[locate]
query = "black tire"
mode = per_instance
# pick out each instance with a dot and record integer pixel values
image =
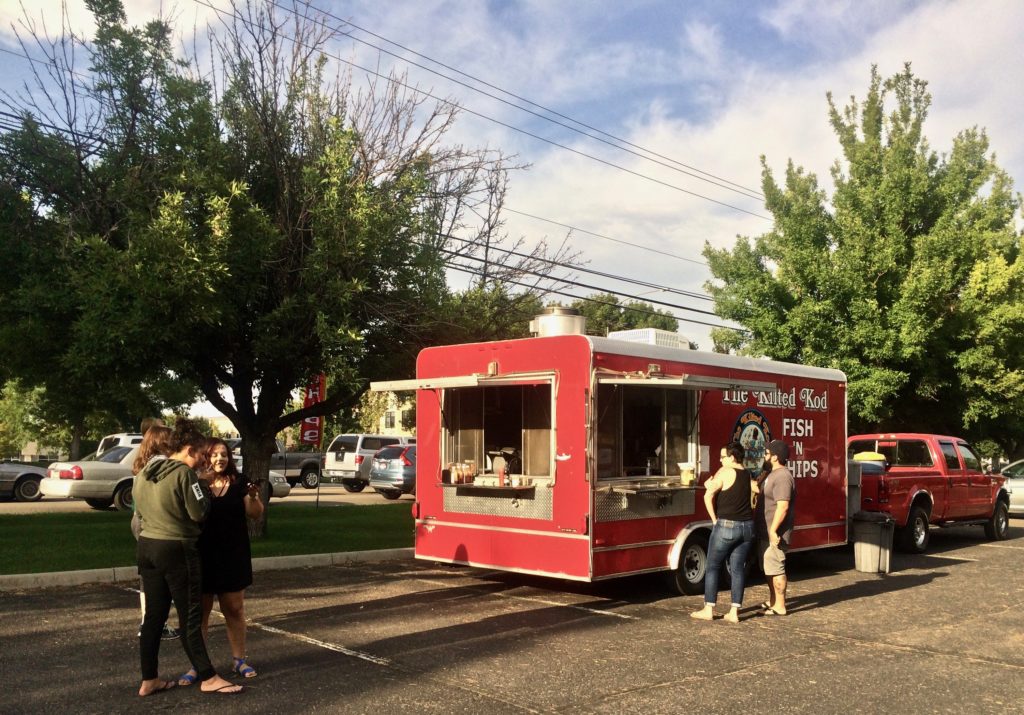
(27, 489)
(293, 481)
(688, 578)
(354, 487)
(391, 494)
(998, 527)
(913, 538)
(99, 503)
(310, 478)
(123, 498)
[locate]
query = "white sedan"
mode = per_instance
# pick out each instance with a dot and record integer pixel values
(101, 482)
(1014, 473)
(280, 487)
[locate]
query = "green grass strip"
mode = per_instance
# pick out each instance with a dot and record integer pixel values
(41, 543)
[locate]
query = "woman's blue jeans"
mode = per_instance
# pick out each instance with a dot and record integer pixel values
(733, 540)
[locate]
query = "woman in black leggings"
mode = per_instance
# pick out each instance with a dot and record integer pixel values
(171, 501)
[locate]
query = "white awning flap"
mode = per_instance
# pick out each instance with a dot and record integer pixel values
(431, 383)
(690, 382)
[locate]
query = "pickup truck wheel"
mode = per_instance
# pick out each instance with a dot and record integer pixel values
(354, 487)
(688, 578)
(99, 503)
(310, 478)
(998, 527)
(913, 538)
(27, 489)
(123, 498)
(391, 494)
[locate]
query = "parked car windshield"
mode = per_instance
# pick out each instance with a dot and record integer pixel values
(114, 455)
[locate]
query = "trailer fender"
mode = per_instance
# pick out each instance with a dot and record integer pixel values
(681, 537)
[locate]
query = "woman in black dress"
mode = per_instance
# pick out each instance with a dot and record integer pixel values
(224, 549)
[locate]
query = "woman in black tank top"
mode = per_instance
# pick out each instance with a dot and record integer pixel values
(732, 535)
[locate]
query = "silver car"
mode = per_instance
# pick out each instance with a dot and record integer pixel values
(101, 481)
(1014, 473)
(393, 471)
(279, 486)
(20, 481)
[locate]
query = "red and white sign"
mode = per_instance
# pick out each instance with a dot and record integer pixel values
(311, 429)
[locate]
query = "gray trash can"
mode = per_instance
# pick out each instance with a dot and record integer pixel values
(872, 541)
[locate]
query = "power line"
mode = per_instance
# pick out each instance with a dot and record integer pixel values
(481, 115)
(98, 140)
(573, 267)
(628, 148)
(504, 208)
(577, 284)
(596, 300)
(602, 236)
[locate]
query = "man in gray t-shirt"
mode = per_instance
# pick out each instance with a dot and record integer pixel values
(775, 525)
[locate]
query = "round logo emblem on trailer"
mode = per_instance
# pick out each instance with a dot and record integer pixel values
(752, 431)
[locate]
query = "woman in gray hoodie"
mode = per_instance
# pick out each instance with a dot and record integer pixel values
(172, 502)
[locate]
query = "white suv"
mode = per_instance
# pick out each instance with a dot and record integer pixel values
(350, 456)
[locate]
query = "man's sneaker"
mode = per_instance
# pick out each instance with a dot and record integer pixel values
(169, 634)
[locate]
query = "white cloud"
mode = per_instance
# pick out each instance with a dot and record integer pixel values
(700, 96)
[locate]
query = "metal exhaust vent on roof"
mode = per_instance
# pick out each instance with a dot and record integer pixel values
(556, 320)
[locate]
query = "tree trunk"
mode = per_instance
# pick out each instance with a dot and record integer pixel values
(256, 459)
(75, 450)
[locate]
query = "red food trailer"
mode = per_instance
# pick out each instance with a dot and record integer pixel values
(568, 455)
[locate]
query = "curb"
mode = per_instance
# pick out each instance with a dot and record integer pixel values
(130, 573)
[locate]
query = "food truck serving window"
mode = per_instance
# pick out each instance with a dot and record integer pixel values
(500, 422)
(643, 430)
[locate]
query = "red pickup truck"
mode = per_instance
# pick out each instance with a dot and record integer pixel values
(930, 479)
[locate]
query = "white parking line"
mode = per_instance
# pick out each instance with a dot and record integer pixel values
(1003, 546)
(323, 644)
(306, 639)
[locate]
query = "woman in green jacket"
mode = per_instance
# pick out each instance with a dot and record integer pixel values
(172, 502)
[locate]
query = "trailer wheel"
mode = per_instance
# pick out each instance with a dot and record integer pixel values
(998, 527)
(688, 578)
(913, 538)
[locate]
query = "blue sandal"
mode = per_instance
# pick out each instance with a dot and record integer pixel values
(242, 668)
(189, 678)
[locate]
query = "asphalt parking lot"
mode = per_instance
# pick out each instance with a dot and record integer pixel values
(942, 633)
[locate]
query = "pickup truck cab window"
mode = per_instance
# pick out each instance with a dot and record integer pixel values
(971, 460)
(913, 453)
(949, 452)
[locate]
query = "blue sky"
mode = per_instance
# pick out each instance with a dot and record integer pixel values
(712, 84)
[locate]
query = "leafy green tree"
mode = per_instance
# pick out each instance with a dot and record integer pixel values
(15, 419)
(241, 234)
(78, 178)
(605, 312)
(907, 278)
